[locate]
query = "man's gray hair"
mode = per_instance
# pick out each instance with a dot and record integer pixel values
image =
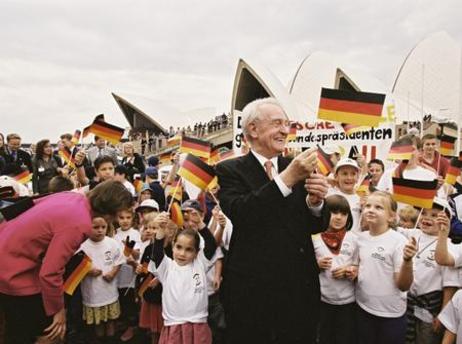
(251, 112)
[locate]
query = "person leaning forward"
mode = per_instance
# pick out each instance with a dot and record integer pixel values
(271, 285)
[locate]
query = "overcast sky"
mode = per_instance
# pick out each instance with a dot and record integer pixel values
(60, 60)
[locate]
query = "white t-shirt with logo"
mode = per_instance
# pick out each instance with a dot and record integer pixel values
(355, 206)
(451, 314)
(184, 295)
(125, 277)
(337, 291)
(429, 276)
(380, 257)
(105, 255)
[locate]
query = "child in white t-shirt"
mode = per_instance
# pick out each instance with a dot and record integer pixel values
(184, 295)
(450, 317)
(346, 178)
(130, 240)
(433, 285)
(335, 251)
(385, 273)
(100, 297)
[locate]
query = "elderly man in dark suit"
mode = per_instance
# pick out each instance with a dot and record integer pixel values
(16, 159)
(271, 285)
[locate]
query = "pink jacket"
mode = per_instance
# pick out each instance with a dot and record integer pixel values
(36, 246)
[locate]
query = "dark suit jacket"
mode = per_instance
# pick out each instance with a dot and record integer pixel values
(271, 274)
(14, 167)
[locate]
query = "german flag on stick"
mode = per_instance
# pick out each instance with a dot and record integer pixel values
(196, 171)
(128, 246)
(453, 171)
(76, 138)
(292, 132)
(325, 165)
(196, 147)
(86, 130)
(66, 154)
(77, 274)
(175, 190)
(24, 177)
(107, 131)
(363, 188)
(400, 151)
(358, 108)
(447, 145)
(418, 193)
(176, 215)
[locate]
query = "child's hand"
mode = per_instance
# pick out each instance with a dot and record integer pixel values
(108, 277)
(216, 212)
(351, 272)
(442, 221)
(140, 269)
(79, 157)
(410, 249)
(154, 283)
(217, 282)
(162, 219)
(222, 220)
(95, 272)
(339, 272)
(325, 263)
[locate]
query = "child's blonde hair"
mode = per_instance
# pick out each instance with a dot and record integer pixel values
(390, 204)
(408, 213)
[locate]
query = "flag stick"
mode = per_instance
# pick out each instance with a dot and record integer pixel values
(214, 198)
(174, 193)
(418, 218)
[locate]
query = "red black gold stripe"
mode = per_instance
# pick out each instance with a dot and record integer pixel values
(196, 171)
(447, 145)
(325, 165)
(77, 275)
(358, 108)
(196, 147)
(400, 151)
(351, 128)
(176, 214)
(107, 131)
(417, 193)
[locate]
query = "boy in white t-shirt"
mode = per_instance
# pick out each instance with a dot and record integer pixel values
(450, 317)
(346, 177)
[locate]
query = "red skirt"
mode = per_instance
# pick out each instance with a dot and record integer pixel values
(188, 333)
(151, 316)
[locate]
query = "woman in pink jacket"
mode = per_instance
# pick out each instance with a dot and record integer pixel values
(35, 248)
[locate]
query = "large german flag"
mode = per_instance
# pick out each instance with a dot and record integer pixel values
(417, 193)
(325, 165)
(196, 171)
(447, 145)
(358, 108)
(77, 273)
(400, 151)
(66, 154)
(453, 171)
(86, 130)
(106, 131)
(176, 215)
(196, 147)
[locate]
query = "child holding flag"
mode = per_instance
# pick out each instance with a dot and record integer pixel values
(385, 274)
(99, 288)
(184, 296)
(129, 238)
(335, 251)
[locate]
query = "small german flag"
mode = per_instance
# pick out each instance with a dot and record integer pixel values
(128, 246)
(66, 154)
(196, 147)
(292, 132)
(363, 188)
(449, 131)
(418, 193)
(138, 184)
(351, 128)
(196, 171)
(79, 271)
(86, 130)
(453, 171)
(400, 151)
(165, 159)
(76, 138)
(174, 141)
(24, 177)
(176, 215)
(107, 131)
(325, 165)
(145, 284)
(175, 190)
(447, 145)
(358, 108)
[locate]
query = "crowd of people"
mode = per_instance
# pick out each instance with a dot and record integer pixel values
(273, 252)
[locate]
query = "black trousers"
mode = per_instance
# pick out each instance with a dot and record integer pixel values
(337, 324)
(25, 318)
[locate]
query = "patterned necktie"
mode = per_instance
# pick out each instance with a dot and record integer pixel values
(269, 169)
